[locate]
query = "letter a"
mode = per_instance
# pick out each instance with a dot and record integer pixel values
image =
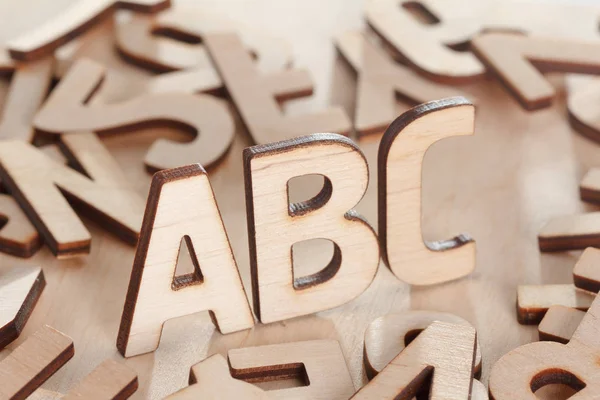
(180, 205)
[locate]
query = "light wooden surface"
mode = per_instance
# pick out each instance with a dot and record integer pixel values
(501, 185)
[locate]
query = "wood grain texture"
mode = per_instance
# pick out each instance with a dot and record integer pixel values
(387, 336)
(42, 187)
(275, 225)
(33, 362)
(442, 26)
(533, 301)
(18, 237)
(212, 381)
(138, 43)
(45, 38)
(111, 380)
(256, 105)
(514, 58)
(181, 206)
(559, 324)
(320, 364)
(586, 273)
(401, 152)
(380, 81)
(524, 370)
(442, 356)
(206, 116)
(20, 289)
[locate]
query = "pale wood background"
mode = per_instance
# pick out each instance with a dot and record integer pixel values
(501, 185)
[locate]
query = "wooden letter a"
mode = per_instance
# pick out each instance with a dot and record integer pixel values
(181, 204)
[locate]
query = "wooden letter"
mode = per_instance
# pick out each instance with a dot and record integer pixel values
(320, 363)
(28, 88)
(207, 115)
(452, 23)
(390, 20)
(524, 370)
(387, 336)
(111, 380)
(442, 354)
(400, 159)
(274, 225)
(255, 102)
(559, 324)
(18, 236)
(33, 362)
(47, 37)
(137, 42)
(533, 301)
(586, 273)
(211, 381)
(513, 59)
(20, 289)
(379, 80)
(571, 232)
(181, 205)
(39, 183)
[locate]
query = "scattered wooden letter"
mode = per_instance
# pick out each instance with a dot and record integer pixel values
(137, 42)
(20, 289)
(47, 37)
(387, 336)
(571, 232)
(274, 225)
(181, 205)
(559, 324)
(255, 102)
(206, 115)
(210, 380)
(28, 88)
(390, 20)
(107, 197)
(586, 273)
(320, 363)
(380, 79)
(533, 301)
(513, 57)
(111, 380)
(524, 370)
(18, 236)
(449, 24)
(33, 362)
(400, 159)
(442, 354)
